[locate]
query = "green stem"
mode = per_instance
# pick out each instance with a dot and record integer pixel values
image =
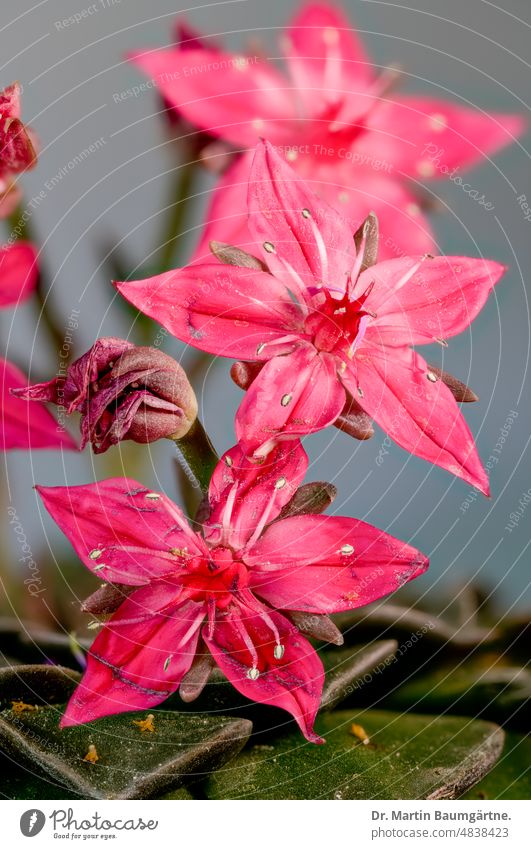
(181, 191)
(197, 455)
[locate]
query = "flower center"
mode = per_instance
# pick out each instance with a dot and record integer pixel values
(336, 325)
(216, 579)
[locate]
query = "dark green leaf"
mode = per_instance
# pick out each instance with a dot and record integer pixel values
(132, 764)
(408, 757)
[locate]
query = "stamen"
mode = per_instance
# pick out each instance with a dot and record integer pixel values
(228, 461)
(278, 652)
(269, 247)
(347, 549)
(253, 673)
(264, 518)
(198, 621)
(299, 287)
(153, 496)
(240, 627)
(332, 68)
(95, 553)
(321, 248)
(286, 399)
(211, 610)
(167, 662)
(431, 377)
(229, 507)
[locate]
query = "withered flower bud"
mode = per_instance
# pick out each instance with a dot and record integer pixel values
(122, 392)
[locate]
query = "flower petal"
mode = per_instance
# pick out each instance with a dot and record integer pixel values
(140, 656)
(294, 682)
(427, 137)
(325, 564)
(245, 495)
(26, 425)
(325, 57)
(225, 310)
(302, 237)
(18, 273)
(439, 301)
(359, 186)
(419, 413)
(231, 96)
(293, 395)
(121, 530)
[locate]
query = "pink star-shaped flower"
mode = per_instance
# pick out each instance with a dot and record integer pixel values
(329, 330)
(224, 593)
(336, 118)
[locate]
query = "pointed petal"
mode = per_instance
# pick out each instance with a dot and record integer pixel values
(221, 309)
(367, 184)
(429, 138)
(294, 682)
(25, 425)
(325, 56)
(439, 301)
(255, 492)
(294, 226)
(419, 413)
(231, 96)
(325, 564)
(293, 395)
(121, 530)
(348, 186)
(130, 664)
(18, 273)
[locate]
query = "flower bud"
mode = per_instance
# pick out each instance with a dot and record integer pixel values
(122, 392)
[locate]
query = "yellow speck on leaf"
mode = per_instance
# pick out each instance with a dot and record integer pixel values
(20, 707)
(145, 724)
(359, 732)
(92, 755)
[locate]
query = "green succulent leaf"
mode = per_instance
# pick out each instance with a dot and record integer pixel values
(115, 757)
(511, 776)
(348, 670)
(404, 757)
(484, 685)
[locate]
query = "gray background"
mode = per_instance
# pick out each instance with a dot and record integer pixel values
(473, 51)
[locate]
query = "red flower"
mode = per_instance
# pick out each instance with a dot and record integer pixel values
(17, 148)
(331, 332)
(22, 425)
(364, 147)
(188, 597)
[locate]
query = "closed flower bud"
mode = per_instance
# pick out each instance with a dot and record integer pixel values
(122, 392)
